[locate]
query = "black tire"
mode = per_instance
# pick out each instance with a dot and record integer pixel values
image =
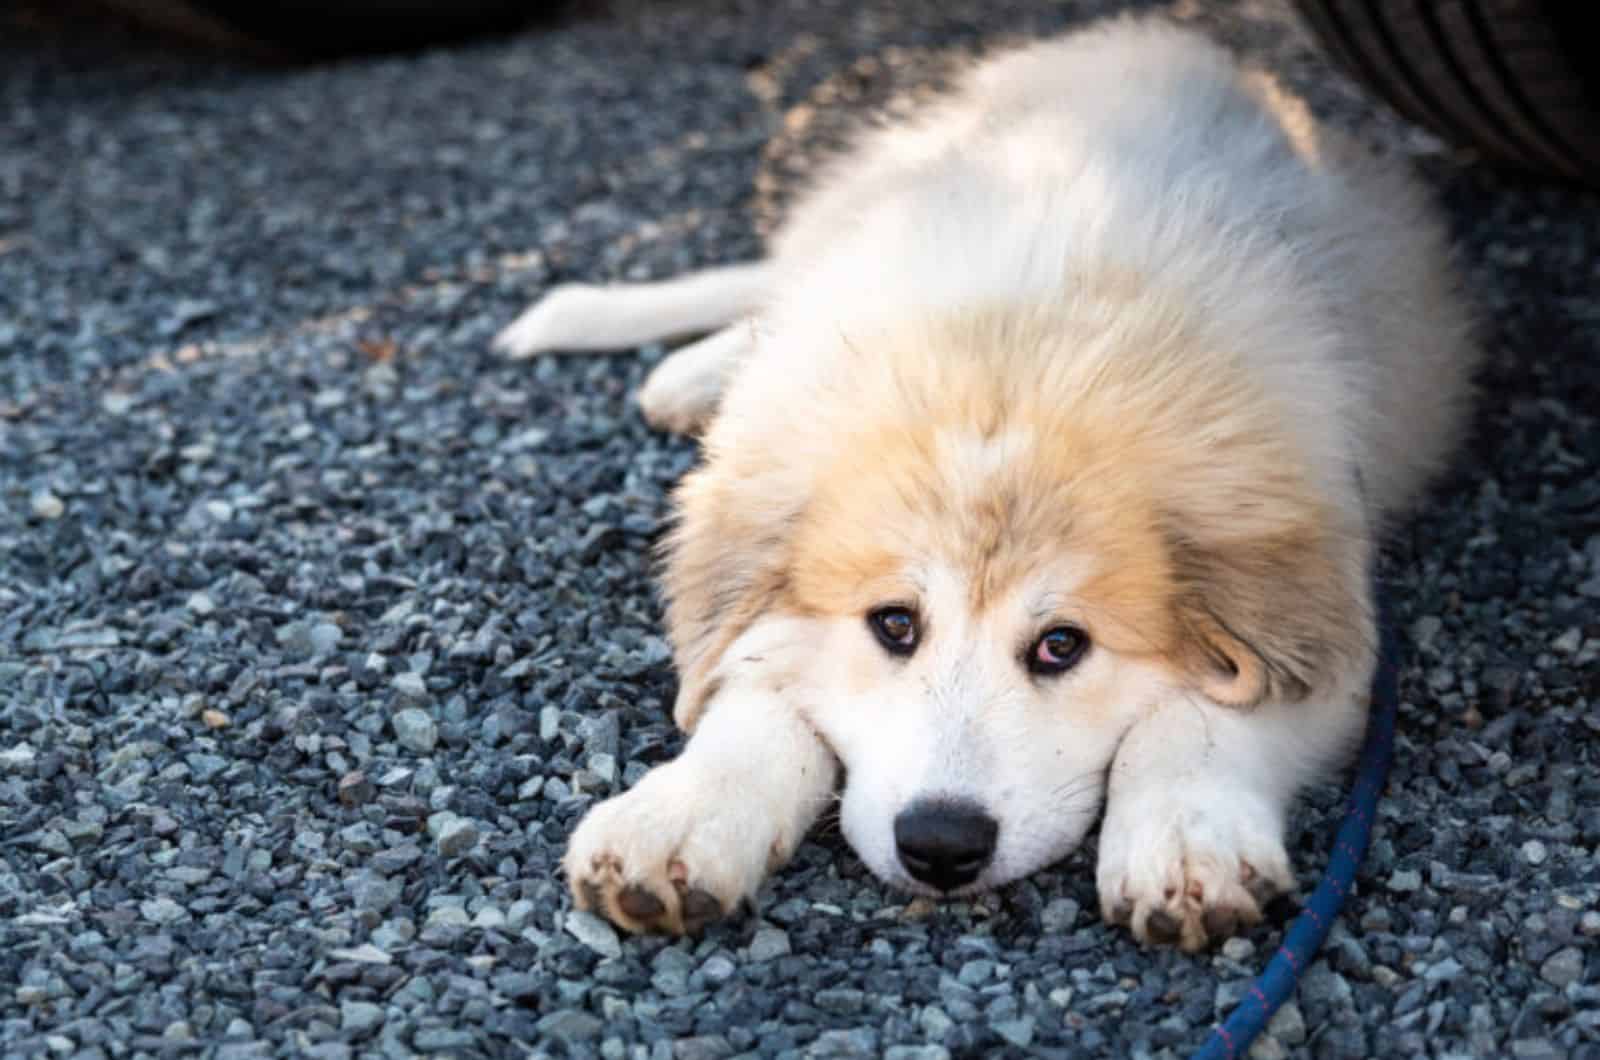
(1506, 77)
(321, 28)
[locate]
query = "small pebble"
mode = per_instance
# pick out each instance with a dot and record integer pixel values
(1562, 968)
(769, 942)
(359, 1017)
(46, 505)
(323, 637)
(411, 686)
(17, 758)
(1288, 1024)
(415, 730)
(163, 911)
(1267, 1047)
(1059, 915)
(356, 789)
(595, 933)
(1405, 881)
(1238, 949)
(1019, 1032)
(453, 835)
(570, 1026)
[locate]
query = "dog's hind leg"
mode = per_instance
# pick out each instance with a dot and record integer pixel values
(578, 317)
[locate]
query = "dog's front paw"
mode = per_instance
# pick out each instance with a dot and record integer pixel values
(672, 854)
(1189, 868)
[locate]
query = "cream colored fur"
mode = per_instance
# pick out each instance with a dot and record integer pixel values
(1114, 338)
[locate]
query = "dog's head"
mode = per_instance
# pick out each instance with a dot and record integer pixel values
(973, 552)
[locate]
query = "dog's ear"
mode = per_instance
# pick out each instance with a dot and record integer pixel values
(724, 567)
(1273, 616)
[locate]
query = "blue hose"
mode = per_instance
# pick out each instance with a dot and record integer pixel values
(1232, 1037)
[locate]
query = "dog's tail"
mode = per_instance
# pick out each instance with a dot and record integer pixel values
(577, 317)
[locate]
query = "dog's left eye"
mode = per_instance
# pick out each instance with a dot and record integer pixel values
(896, 629)
(1058, 650)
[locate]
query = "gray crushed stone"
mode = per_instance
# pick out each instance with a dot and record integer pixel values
(320, 627)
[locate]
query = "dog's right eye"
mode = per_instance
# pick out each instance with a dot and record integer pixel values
(896, 629)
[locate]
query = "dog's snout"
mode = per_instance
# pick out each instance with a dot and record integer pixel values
(945, 844)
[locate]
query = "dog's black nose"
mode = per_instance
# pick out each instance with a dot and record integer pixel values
(945, 844)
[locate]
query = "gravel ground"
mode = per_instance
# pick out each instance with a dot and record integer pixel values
(320, 627)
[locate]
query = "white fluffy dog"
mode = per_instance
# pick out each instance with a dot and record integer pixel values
(1045, 458)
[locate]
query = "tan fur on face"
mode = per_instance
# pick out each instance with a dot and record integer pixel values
(894, 501)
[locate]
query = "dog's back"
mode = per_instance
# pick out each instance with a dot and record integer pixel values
(1142, 150)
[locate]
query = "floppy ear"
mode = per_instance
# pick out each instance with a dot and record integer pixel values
(725, 566)
(1273, 616)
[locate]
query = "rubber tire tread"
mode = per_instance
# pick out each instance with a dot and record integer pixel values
(1504, 77)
